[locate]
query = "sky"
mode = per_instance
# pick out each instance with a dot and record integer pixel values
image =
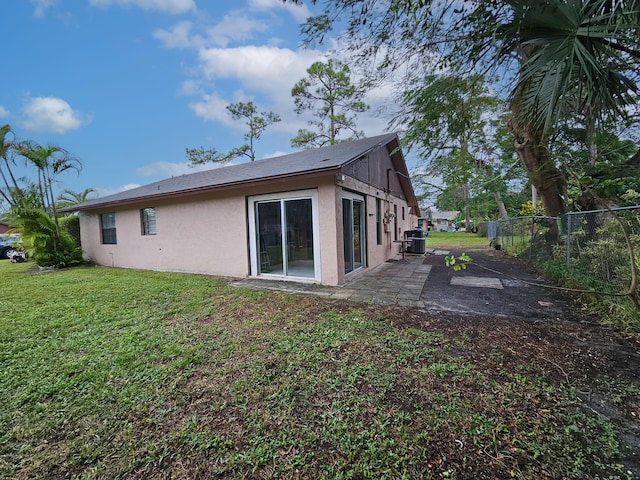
(127, 85)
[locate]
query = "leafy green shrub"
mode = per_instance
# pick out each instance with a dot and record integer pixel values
(43, 242)
(71, 225)
(601, 264)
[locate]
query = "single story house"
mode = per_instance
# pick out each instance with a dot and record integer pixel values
(317, 215)
(436, 221)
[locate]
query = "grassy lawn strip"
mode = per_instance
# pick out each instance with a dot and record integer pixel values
(110, 373)
(462, 241)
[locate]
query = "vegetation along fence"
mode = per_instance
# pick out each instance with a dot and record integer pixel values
(594, 253)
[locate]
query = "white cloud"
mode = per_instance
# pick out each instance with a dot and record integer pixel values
(266, 71)
(41, 6)
(263, 73)
(261, 68)
(299, 12)
(51, 114)
(270, 72)
(190, 88)
(376, 120)
(3, 112)
(167, 169)
(178, 36)
(236, 26)
(211, 107)
(166, 6)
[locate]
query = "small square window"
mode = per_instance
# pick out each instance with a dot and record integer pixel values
(108, 228)
(148, 218)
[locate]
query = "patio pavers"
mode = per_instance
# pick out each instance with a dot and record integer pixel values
(396, 282)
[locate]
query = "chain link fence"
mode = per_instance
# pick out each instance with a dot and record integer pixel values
(596, 251)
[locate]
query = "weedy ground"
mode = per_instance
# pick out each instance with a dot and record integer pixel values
(108, 373)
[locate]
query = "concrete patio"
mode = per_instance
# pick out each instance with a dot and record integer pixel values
(506, 288)
(396, 282)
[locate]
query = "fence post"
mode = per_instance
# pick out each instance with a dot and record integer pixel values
(568, 239)
(492, 230)
(533, 229)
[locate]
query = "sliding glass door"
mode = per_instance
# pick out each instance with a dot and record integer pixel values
(353, 226)
(285, 236)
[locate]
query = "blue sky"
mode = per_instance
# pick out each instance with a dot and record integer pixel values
(127, 85)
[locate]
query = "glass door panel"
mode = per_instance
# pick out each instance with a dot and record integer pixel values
(299, 235)
(348, 234)
(269, 221)
(358, 227)
(354, 234)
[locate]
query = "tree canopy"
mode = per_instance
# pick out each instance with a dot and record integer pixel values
(453, 124)
(257, 123)
(330, 95)
(557, 60)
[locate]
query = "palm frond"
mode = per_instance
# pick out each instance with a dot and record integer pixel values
(581, 52)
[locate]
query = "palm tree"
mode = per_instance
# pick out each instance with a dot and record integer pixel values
(41, 238)
(7, 149)
(577, 56)
(69, 198)
(50, 162)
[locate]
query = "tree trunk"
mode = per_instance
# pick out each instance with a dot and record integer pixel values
(532, 148)
(501, 208)
(11, 176)
(467, 214)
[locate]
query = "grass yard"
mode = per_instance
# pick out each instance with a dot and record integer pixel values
(467, 242)
(109, 373)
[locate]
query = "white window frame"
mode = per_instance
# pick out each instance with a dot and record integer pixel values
(253, 237)
(148, 227)
(103, 216)
(364, 240)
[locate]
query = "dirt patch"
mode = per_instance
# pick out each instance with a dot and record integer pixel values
(545, 325)
(600, 365)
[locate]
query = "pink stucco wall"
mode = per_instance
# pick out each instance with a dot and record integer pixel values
(204, 236)
(376, 254)
(208, 233)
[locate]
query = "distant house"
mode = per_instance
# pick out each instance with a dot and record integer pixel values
(317, 215)
(436, 221)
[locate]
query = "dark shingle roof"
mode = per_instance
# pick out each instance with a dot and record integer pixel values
(304, 162)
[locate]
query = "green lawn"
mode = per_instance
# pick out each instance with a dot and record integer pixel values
(109, 373)
(457, 240)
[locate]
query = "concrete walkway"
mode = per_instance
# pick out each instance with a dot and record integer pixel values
(493, 284)
(396, 282)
